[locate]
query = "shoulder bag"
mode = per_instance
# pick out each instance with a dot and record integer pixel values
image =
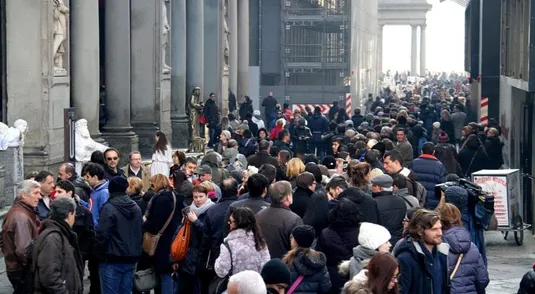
(456, 266)
(150, 241)
(219, 285)
(295, 284)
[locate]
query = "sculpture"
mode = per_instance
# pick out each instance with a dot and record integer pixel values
(226, 31)
(165, 38)
(14, 136)
(196, 108)
(60, 35)
(84, 145)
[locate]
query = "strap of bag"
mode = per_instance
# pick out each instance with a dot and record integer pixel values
(170, 216)
(406, 201)
(295, 284)
(231, 263)
(456, 266)
(471, 161)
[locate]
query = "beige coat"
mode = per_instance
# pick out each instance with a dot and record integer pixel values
(145, 175)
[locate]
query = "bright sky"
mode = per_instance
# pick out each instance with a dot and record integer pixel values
(445, 40)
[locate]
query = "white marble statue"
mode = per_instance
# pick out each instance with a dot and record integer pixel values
(61, 14)
(227, 32)
(14, 136)
(84, 145)
(165, 37)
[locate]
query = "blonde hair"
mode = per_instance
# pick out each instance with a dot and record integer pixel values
(209, 186)
(160, 182)
(135, 185)
(376, 172)
(281, 122)
(294, 168)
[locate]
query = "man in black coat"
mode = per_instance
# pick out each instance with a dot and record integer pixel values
(392, 208)
(367, 205)
(269, 103)
(211, 112)
(262, 156)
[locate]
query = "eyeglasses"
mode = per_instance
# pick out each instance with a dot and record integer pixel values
(112, 158)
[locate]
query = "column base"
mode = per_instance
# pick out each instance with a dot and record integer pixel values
(3, 198)
(181, 134)
(124, 142)
(145, 132)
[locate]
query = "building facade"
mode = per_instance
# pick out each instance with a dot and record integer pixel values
(127, 66)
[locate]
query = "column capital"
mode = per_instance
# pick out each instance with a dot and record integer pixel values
(423, 26)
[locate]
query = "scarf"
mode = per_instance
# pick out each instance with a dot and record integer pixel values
(200, 210)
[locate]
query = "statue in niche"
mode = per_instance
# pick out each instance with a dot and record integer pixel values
(85, 146)
(196, 108)
(165, 37)
(61, 13)
(14, 136)
(227, 32)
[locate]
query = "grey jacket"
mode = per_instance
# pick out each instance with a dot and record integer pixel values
(405, 148)
(410, 200)
(359, 261)
(459, 120)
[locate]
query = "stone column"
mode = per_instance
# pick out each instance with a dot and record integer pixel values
(85, 63)
(414, 52)
(233, 56)
(179, 119)
(213, 51)
(195, 46)
(380, 49)
(38, 78)
(423, 46)
(145, 70)
(118, 130)
(243, 49)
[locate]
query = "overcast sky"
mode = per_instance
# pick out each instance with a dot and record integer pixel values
(445, 40)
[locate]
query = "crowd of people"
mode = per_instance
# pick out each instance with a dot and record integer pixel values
(287, 202)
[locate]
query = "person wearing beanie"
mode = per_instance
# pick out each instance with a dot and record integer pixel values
(436, 131)
(223, 142)
(276, 275)
(118, 238)
(372, 239)
(443, 138)
(307, 262)
(458, 196)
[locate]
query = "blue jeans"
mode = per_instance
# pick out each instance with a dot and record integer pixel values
(167, 284)
(212, 134)
(116, 278)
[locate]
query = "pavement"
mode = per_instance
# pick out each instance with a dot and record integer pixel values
(507, 263)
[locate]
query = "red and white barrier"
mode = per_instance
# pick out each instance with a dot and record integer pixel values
(484, 110)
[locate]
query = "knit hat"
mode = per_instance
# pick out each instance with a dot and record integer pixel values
(329, 161)
(257, 114)
(371, 143)
(372, 236)
(276, 272)
(457, 196)
(118, 184)
(443, 137)
(436, 125)
(227, 134)
(304, 235)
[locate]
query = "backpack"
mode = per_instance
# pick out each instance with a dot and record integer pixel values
(180, 244)
(418, 191)
(236, 165)
(32, 252)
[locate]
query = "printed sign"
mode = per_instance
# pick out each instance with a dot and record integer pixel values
(497, 186)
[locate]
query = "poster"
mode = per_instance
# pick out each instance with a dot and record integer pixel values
(497, 186)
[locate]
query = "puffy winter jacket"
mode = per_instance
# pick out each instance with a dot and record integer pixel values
(430, 172)
(313, 268)
(472, 276)
(393, 210)
(243, 252)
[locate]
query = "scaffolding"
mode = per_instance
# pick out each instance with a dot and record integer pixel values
(315, 51)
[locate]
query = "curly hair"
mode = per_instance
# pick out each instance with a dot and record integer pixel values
(345, 214)
(245, 219)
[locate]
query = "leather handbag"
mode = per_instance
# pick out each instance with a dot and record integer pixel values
(219, 285)
(145, 280)
(150, 241)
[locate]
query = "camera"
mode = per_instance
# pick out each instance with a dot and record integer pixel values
(480, 203)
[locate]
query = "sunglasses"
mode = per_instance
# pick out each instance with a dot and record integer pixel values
(112, 158)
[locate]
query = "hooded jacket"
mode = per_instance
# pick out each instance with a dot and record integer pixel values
(367, 205)
(361, 256)
(430, 172)
(313, 268)
(472, 276)
(318, 125)
(233, 155)
(118, 235)
(415, 267)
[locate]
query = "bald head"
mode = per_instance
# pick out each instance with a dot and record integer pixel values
(66, 171)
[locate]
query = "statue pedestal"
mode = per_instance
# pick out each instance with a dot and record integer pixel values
(224, 91)
(12, 175)
(2, 187)
(197, 145)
